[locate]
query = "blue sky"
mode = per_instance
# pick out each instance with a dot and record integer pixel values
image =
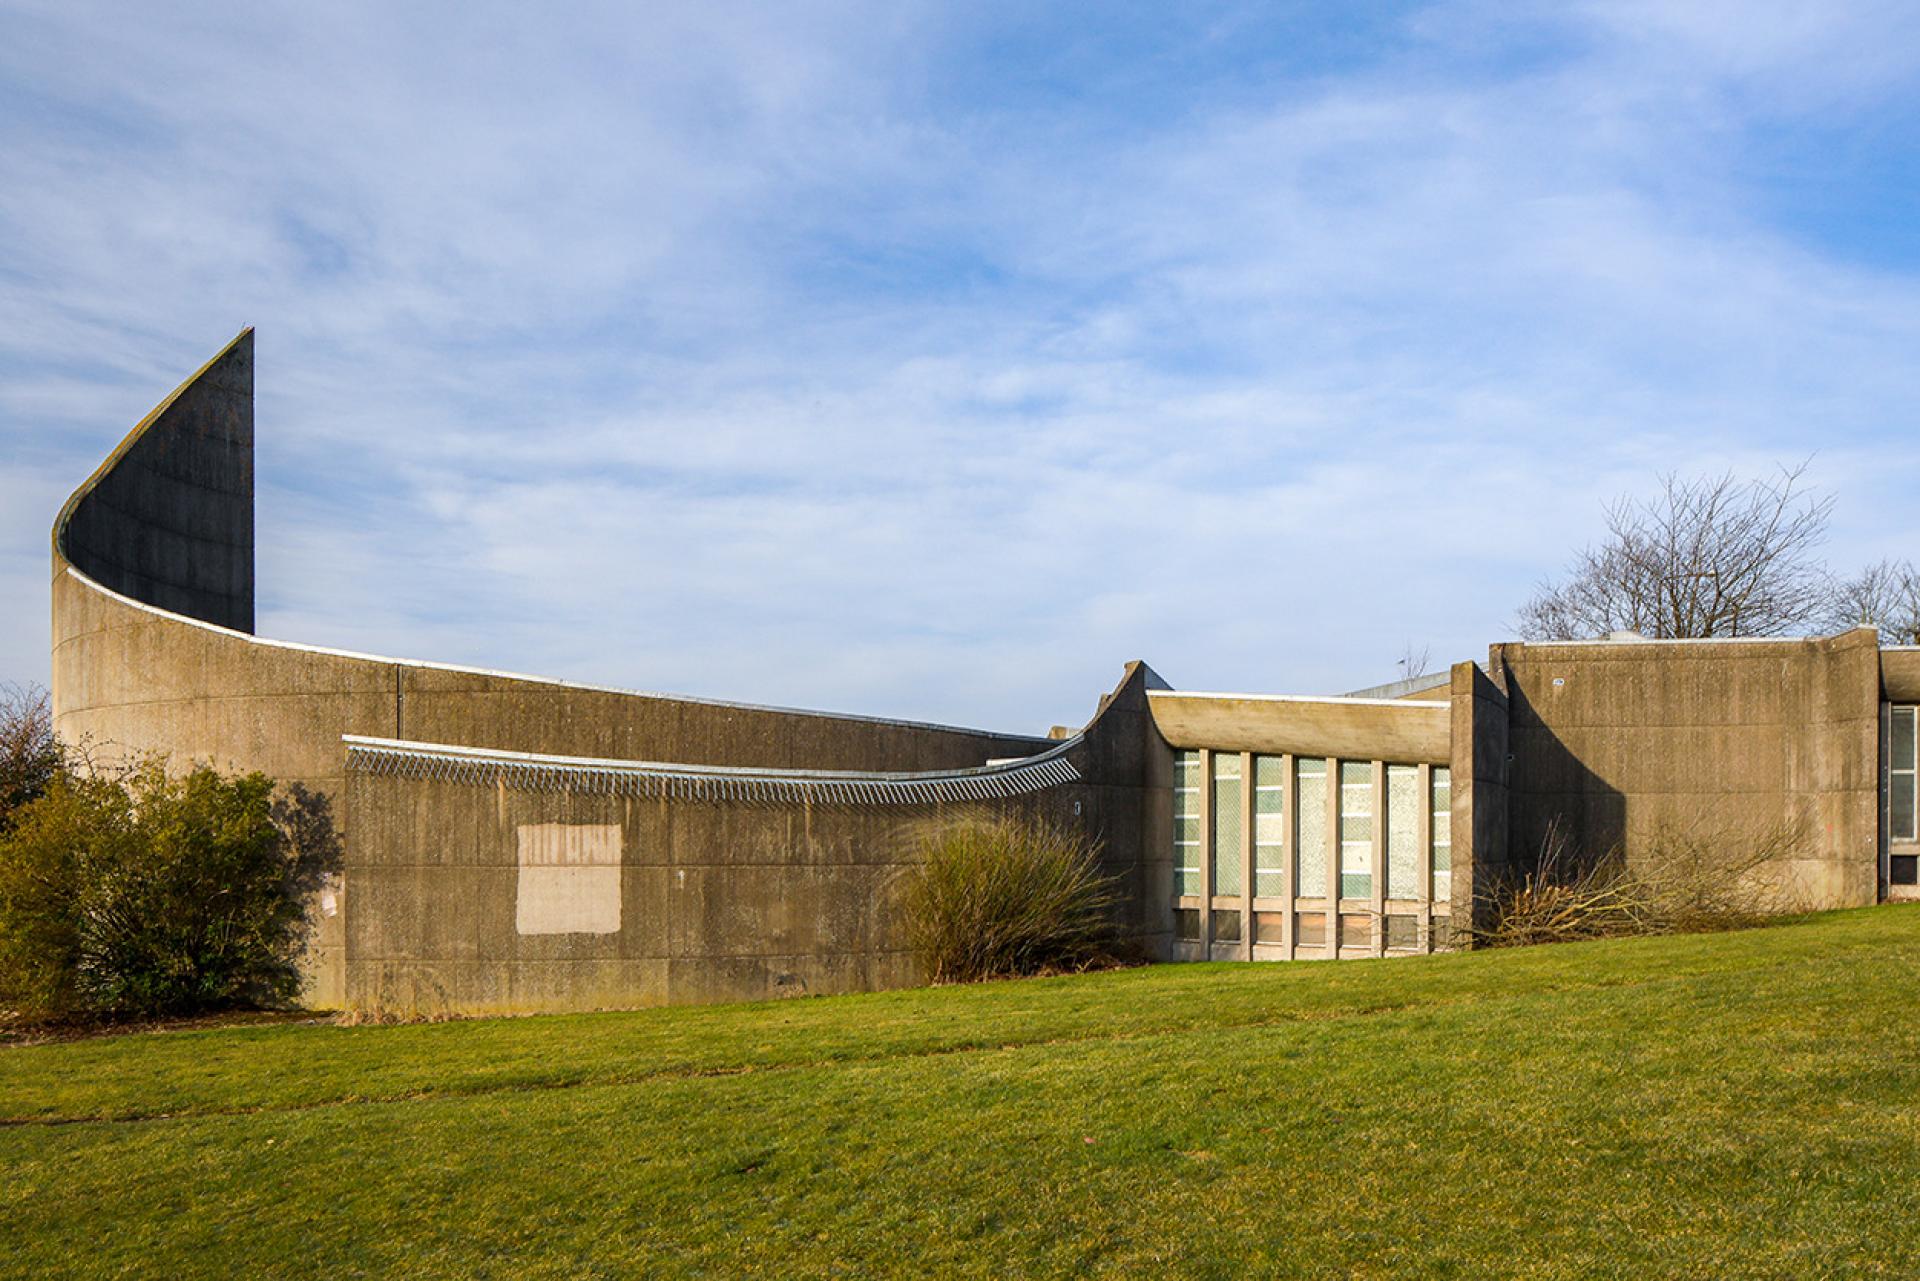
(932, 361)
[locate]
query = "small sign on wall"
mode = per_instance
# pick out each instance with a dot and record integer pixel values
(569, 879)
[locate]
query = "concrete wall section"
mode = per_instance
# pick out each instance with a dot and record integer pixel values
(1621, 743)
(1900, 674)
(1405, 731)
(168, 517)
(513, 890)
(1482, 853)
(152, 653)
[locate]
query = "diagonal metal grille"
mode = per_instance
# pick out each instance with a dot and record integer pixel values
(473, 768)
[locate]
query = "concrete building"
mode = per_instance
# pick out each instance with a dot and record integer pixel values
(524, 844)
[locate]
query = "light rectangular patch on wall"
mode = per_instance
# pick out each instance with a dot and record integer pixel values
(569, 879)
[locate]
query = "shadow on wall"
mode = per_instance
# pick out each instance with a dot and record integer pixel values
(1554, 797)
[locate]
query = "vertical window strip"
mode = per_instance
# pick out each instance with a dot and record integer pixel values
(1903, 794)
(1442, 833)
(1356, 829)
(1310, 825)
(1186, 823)
(1269, 818)
(1403, 831)
(1226, 824)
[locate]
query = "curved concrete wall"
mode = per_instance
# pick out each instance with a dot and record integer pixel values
(488, 884)
(152, 652)
(168, 517)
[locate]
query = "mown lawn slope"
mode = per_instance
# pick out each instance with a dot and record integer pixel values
(1712, 1106)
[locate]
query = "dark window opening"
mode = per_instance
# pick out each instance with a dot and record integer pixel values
(1906, 869)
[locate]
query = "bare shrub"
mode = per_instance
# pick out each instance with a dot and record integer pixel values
(29, 754)
(1680, 879)
(998, 897)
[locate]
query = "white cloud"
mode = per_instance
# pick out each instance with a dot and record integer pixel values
(708, 353)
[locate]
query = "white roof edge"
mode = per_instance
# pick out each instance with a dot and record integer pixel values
(428, 665)
(614, 764)
(1338, 699)
(1644, 641)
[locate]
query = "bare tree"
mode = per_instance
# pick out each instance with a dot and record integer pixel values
(1413, 662)
(29, 753)
(1886, 596)
(1707, 556)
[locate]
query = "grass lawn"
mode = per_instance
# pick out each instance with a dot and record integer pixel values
(1712, 1106)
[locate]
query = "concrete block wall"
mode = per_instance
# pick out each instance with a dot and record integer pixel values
(718, 900)
(152, 652)
(1483, 854)
(1619, 742)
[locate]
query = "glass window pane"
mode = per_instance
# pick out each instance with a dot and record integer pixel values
(1900, 806)
(1903, 737)
(1403, 933)
(1226, 823)
(1403, 831)
(1442, 833)
(1356, 829)
(1186, 825)
(1269, 927)
(1186, 924)
(1310, 825)
(1269, 827)
(1226, 927)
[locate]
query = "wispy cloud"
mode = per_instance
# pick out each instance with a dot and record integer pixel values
(923, 362)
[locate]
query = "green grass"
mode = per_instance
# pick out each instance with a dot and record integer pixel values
(1712, 1106)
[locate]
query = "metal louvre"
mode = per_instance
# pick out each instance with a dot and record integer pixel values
(748, 787)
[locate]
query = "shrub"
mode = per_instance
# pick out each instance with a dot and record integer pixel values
(143, 894)
(1679, 880)
(997, 897)
(29, 754)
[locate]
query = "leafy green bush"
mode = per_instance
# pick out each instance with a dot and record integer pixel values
(995, 897)
(147, 894)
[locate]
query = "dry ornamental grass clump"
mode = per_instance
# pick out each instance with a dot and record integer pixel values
(997, 897)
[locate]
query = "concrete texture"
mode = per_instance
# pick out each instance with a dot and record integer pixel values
(152, 653)
(1400, 730)
(676, 900)
(1482, 855)
(1900, 674)
(463, 897)
(1619, 743)
(168, 517)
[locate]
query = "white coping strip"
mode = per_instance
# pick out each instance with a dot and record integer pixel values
(460, 752)
(1692, 640)
(1335, 700)
(427, 665)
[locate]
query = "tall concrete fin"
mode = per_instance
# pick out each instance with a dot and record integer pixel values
(167, 519)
